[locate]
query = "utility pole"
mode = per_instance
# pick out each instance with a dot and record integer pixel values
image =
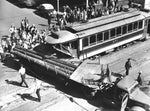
(58, 5)
(87, 5)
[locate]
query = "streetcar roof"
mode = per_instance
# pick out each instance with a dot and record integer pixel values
(60, 37)
(146, 14)
(108, 26)
(104, 20)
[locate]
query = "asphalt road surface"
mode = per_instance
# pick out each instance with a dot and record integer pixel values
(56, 96)
(12, 13)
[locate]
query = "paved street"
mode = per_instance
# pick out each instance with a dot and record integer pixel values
(55, 96)
(12, 14)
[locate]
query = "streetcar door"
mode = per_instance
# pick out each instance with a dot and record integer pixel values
(124, 102)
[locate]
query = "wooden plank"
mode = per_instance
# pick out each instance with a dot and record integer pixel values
(87, 70)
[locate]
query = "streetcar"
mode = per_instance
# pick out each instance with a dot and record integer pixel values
(101, 34)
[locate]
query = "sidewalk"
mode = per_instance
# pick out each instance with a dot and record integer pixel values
(12, 96)
(8, 92)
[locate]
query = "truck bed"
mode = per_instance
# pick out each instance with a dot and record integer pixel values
(88, 69)
(89, 74)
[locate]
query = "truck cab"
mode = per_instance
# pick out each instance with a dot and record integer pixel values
(126, 94)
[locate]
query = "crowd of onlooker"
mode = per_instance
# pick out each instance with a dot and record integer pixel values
(27, 35)
(95, 9)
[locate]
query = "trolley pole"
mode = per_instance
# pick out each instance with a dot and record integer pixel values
(58, 5)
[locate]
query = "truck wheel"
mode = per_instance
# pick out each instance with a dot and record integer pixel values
(137, 108)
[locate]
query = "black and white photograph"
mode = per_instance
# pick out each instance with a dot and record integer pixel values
(74, 55)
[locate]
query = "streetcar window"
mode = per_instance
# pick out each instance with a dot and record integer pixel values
(124, 29)
(112, 33)
(74, 45)
(106, 35)
(99, 37)
(140, 24)
(118, 31)
(85, 42)
(66, 44)
(92, 39)
(130, 27)
(135, 25)
(58, 46)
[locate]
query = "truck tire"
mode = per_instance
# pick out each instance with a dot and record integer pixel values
(137, 108)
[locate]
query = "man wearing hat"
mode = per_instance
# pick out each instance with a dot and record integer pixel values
(139, 79)
(128, 66)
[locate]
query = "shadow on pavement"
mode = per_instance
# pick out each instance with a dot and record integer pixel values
(16, 83)
(28, 96)
(145, 89)
(11, 63)
(13, 83)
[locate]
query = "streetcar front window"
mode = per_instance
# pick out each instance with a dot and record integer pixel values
(58, 46)
(66, 44)
(74, 45)
(85, 42)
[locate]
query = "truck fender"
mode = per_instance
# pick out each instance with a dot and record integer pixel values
(137, 108)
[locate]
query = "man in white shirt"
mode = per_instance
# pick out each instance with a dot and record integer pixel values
(2, 54)
(22, 72)
(38, 88)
